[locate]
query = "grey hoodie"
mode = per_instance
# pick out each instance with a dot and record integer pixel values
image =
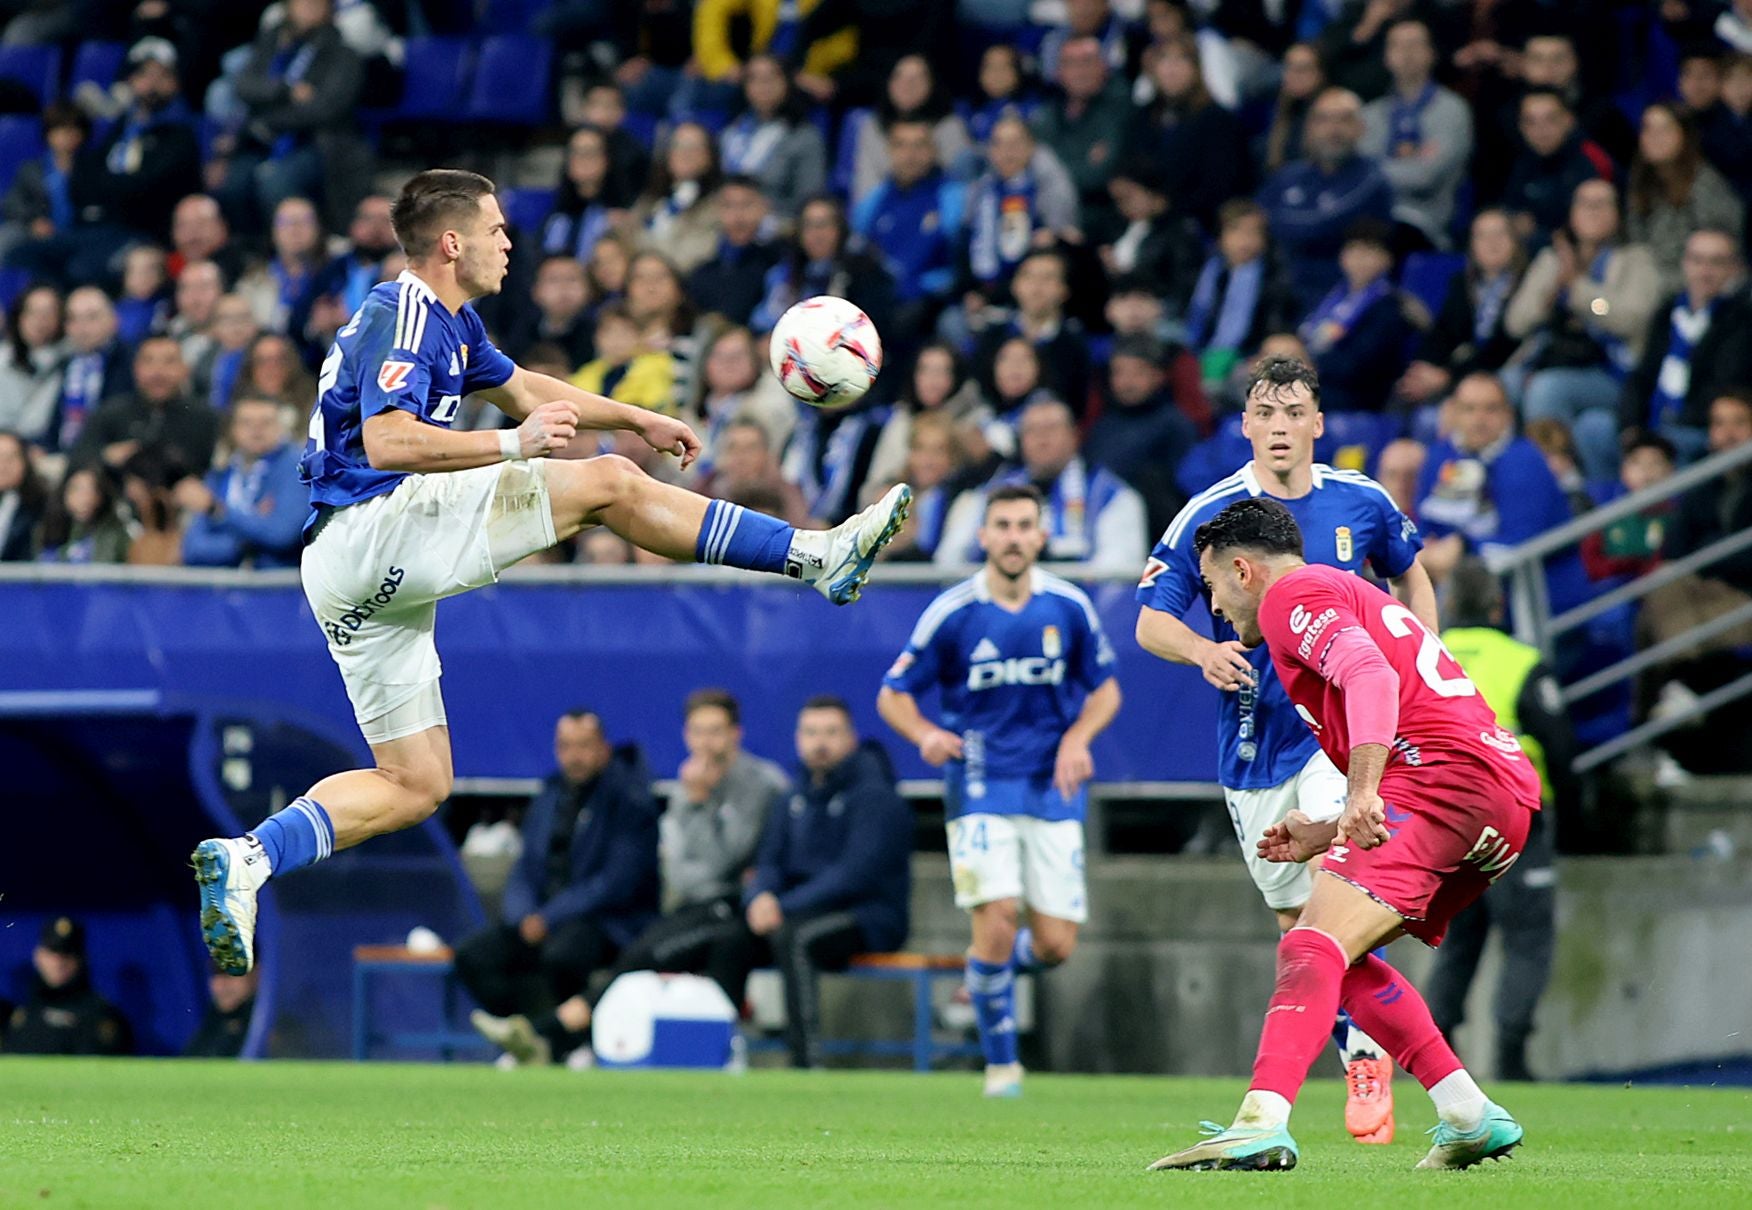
(706, 846)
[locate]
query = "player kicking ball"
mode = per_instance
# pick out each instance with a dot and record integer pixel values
(1268, 763)
(1025, 677)
(1438, 804)
(406, 511)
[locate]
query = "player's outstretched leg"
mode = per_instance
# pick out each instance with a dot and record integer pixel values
(679, 524)
(411, 778)
(1470, 1127)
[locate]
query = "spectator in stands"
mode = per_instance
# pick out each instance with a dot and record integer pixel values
(213, 379)
(586, 207)
(561, 315)
(623, 369)
(607, 271)
(348, 278)
(721, 27)
(1589, 297)
(723, 798)
(1484, 488)
(143, 306)
(1041, 287)
(158, 418)
(1558, 445)
(198, 231)
(250, 512)
(746, 471)
(301, 86)
(270, 369)
(1632, 546)
(1135, 309)
(95, 368)
(584, 888)
(773, 139)
(1358, 332)
(938, 385)
(198, 290)
(658, 302)
(914, 93)
(1024, 201)
(650, 41)
(1304, 78)
(832, 876)
(828, 456)
(1354, 42)
(736, 389)
(1699, 344)
(1240, 293)
(1549, 61)
(1398, 469)
(1092, 518)
(933, 466)
(1549, 167)
(1017, 381)
(1085, 123)
(1091, 19)
(819, 262)
(224, 1026)
(1191, 140)
(39, 203)
(64, 1014)
(1720, 507)
(1311, 203)
(1005, 91)
(1673, 191)
(629, 159)
(24, 498)
(1421, 133)
(678, 212)
(1725, 128)
(1142, 434)
(32, 361)
(1468, 334)
(732, 282)
(283, 286)
(82, 524)
(1150, 237)
(913, 218)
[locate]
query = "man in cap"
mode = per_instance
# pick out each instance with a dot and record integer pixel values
(63, 1015)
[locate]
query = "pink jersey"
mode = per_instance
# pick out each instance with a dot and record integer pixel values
(1443, 719)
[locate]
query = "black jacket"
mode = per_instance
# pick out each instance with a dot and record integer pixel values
(166, 169)
(1710, 512)
(69, 1020)
(1197, 156)
(1358, 372)
(1542, 185)
(220, 1034)
(1452, 342)
(180, 434)
(335, 74)
(733, 282)
(1722, 359)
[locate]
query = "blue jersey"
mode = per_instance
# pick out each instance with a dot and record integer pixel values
(1010, 683)
(1347, 520)
(402, 349)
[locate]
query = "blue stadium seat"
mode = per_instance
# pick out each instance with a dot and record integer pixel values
(642, 126)
(511, 81)
(436, 79)
(845, 160)
(98, 63)
(1216, 457)
(1353, 440)
(510, 16)
(527, 209)
(35, 67)
(21, 139)
(714, 120)
(12, 284)
(1426, 276)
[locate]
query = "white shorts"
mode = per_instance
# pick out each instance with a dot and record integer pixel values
(1038, 861)
(376, 572)
(1319, 792)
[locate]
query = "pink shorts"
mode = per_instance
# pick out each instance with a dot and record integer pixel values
(1454, 832)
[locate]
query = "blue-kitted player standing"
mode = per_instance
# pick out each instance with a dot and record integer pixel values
(1025, 677)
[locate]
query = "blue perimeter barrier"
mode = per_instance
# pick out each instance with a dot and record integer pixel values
(518, 653)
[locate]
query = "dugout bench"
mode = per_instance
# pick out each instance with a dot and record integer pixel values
(921, 971)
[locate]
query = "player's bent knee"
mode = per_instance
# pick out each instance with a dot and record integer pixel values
(1050, 951)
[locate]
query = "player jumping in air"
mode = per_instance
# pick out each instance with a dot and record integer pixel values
(1267, 761)
(1437, 806)
(1025, 676)
(407, 511)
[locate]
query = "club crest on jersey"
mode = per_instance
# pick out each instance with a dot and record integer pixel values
(1051, 646)
(393, 375)
(465, 357)
(1341, 538)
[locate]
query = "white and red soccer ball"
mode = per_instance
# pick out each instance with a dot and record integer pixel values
(826, 352)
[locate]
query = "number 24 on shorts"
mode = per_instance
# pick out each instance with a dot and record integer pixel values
(970, 837)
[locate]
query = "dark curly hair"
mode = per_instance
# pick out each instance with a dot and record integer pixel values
(1275, 375)
(1257, 523)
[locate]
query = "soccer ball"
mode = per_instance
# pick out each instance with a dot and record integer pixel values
(826, 352)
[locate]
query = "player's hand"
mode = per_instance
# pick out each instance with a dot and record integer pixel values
(547, 429)
(1225, 666)
(699, 776)
(1296, 838)
(533, 929)
(1073, 767)
(670, 436)
(939, 747)
(192, 496)
(764, 914)
(1364, 822)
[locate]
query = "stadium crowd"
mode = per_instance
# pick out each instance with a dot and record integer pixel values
(1509, 236)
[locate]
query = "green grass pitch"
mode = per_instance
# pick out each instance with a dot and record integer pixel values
(144, 1134)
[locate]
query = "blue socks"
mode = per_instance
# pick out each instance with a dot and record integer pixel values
(297, 836)
(992, 987)
(1022, 959)
(736, 537)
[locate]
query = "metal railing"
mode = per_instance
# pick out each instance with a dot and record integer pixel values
(1524, 565)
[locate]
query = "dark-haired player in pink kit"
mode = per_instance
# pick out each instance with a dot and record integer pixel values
(1438, 802)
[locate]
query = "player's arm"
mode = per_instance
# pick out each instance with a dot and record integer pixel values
(900, 710)
(525, 391)
(1354, 663)
(1417, 592)
(1165, 636)
(1074, 764)
(397, 440)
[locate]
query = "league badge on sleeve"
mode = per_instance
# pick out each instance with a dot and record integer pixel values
(393, 375)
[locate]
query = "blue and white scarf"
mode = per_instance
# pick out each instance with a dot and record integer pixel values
(243, 487)
(1619, 357)
(1002, 225)
(749, 142)
(81, 391)
(1232, 311)
(575, 235)
(1493, 295)
(1673, 383)
(1341, 307)
(1405, 120)
(1074, 504)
